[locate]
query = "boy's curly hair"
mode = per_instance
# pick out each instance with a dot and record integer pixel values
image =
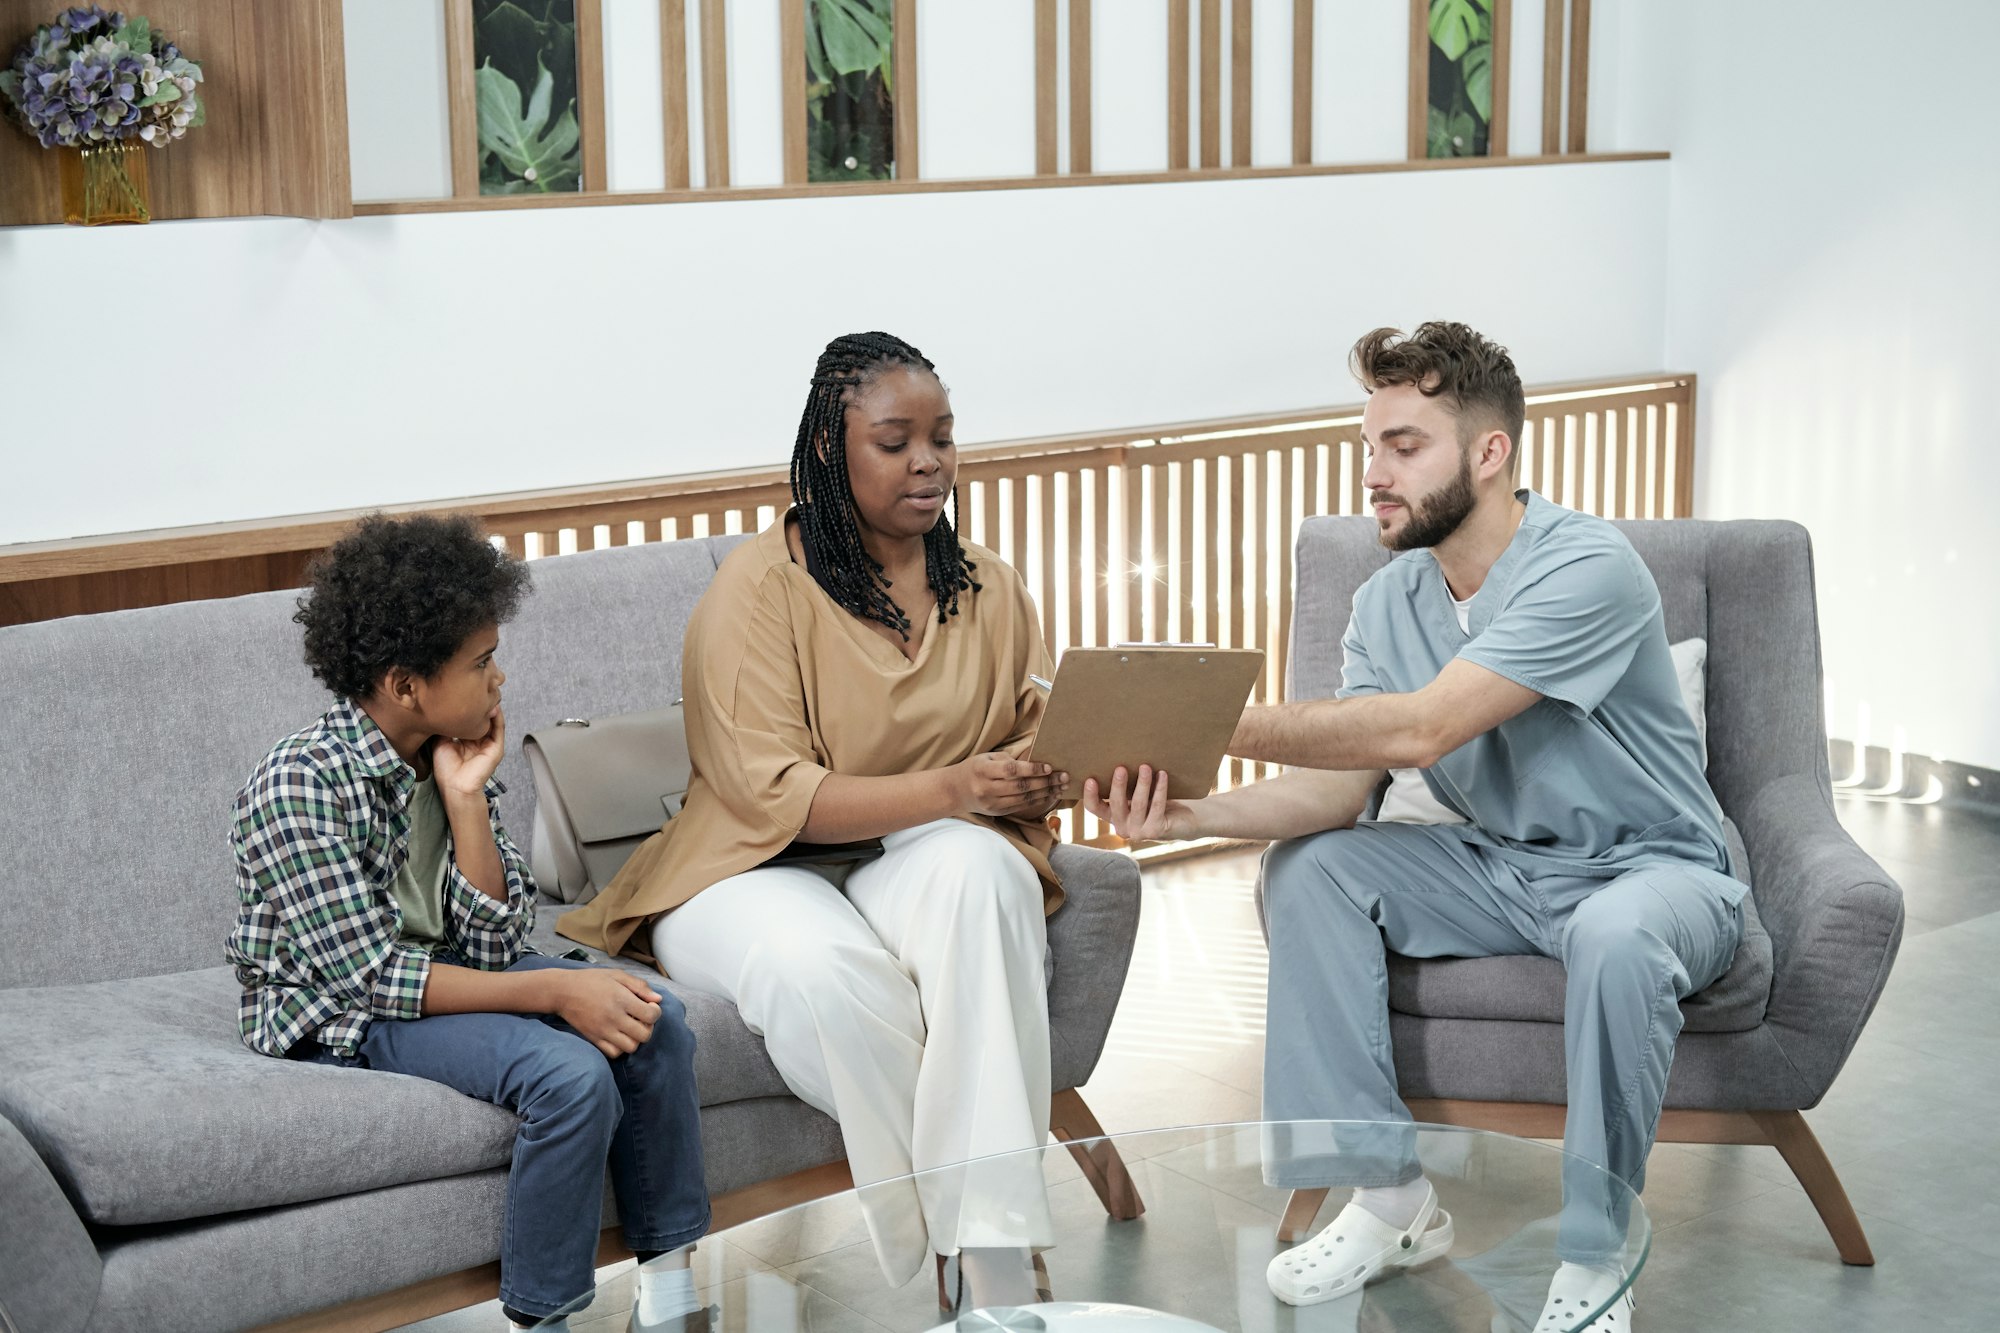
(1444, 359)
(403, 592)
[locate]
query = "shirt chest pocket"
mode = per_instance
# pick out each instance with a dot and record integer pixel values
(1533, 738)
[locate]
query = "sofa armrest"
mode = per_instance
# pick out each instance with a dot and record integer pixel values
(1091, 937)
(49, 1269)
(1836, 921)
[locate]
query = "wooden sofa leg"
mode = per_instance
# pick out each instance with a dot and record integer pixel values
(1071, 1120)
(1297, 1222)
(1795, 1142)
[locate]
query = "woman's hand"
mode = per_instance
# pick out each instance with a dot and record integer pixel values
(1002, 786)
(1142, 814)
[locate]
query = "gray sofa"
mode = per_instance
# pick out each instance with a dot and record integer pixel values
(1479, 1041)
(155, 1174)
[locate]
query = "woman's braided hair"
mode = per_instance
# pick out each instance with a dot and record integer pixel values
(828, 522)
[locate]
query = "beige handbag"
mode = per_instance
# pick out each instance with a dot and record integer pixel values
(602, 786)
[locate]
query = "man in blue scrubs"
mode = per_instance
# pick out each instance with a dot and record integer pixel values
(1515, 652)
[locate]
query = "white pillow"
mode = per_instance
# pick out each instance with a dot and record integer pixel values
(1409, 799)
(1691, 669)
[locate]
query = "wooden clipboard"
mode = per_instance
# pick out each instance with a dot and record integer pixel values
(1172, 706)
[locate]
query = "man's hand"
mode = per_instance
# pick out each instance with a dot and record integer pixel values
(1143, 813)
(613, 1010)
(1000, 785)
(462, 767)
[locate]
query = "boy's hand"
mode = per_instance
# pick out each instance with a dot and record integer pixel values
(462, 767)
(1143, 814)
(612, 1010)
(1003, 786)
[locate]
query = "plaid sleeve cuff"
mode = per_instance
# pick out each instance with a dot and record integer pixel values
(478, 909)
(489, 933)
(399, 986)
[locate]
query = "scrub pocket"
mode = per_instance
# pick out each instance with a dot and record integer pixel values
(1533, 737)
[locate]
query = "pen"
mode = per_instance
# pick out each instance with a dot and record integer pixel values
(1047, 686)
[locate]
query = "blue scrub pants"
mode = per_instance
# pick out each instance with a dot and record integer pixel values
(577, 1110)
(1633, 948)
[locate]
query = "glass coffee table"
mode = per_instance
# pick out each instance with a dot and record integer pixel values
(1195, 1259)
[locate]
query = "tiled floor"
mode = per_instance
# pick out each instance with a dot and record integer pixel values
(1910, 1124)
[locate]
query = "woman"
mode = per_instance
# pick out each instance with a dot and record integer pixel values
(857, 671)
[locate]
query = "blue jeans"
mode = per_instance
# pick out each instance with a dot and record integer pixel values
(577, 1108)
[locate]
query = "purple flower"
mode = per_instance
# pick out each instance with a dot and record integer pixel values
(81, 80)
(88, 18)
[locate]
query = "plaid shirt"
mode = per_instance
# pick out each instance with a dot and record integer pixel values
(321, 829)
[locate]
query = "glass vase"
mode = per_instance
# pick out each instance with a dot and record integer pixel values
(104, 184)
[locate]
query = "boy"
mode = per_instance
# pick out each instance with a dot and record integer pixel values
(384, 914)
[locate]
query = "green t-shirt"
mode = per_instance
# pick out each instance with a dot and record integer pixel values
(419, 886)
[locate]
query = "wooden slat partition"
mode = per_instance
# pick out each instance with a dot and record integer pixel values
(1079, 87)
(674, 91)
(1552, 64)
(1177, 84)
(715, 93)
(1579, 74)
(903, 66)
(1179, 531)
(1418, 132)
(1045, 87)
(1302, 81)
(792, 87)
(1503, 66)
(1211, 83)
(1239, 81)
(590, 114)
(461, 99)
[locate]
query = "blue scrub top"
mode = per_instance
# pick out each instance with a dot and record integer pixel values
(1604, 773)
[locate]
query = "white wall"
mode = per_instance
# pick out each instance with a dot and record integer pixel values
(1833, 279)
(975, 89)
(377, 360)
(635, 133)
(396, 102)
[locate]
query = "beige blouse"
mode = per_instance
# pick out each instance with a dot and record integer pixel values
(781, 687)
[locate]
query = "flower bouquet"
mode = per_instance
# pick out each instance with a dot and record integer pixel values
(101, 87)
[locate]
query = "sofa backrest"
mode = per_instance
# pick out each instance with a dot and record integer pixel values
(125, 737)
(1745, 586)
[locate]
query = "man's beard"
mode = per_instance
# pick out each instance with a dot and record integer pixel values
(1440, 514)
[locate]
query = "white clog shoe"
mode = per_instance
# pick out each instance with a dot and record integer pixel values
(1355, 1249)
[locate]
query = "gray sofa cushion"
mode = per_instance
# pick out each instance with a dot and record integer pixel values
(1531, 988)
(147, 1108)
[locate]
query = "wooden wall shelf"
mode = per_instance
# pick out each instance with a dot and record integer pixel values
(275, 142)
(495, 203)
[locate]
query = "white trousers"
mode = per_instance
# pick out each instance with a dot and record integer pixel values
(910, 1006)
